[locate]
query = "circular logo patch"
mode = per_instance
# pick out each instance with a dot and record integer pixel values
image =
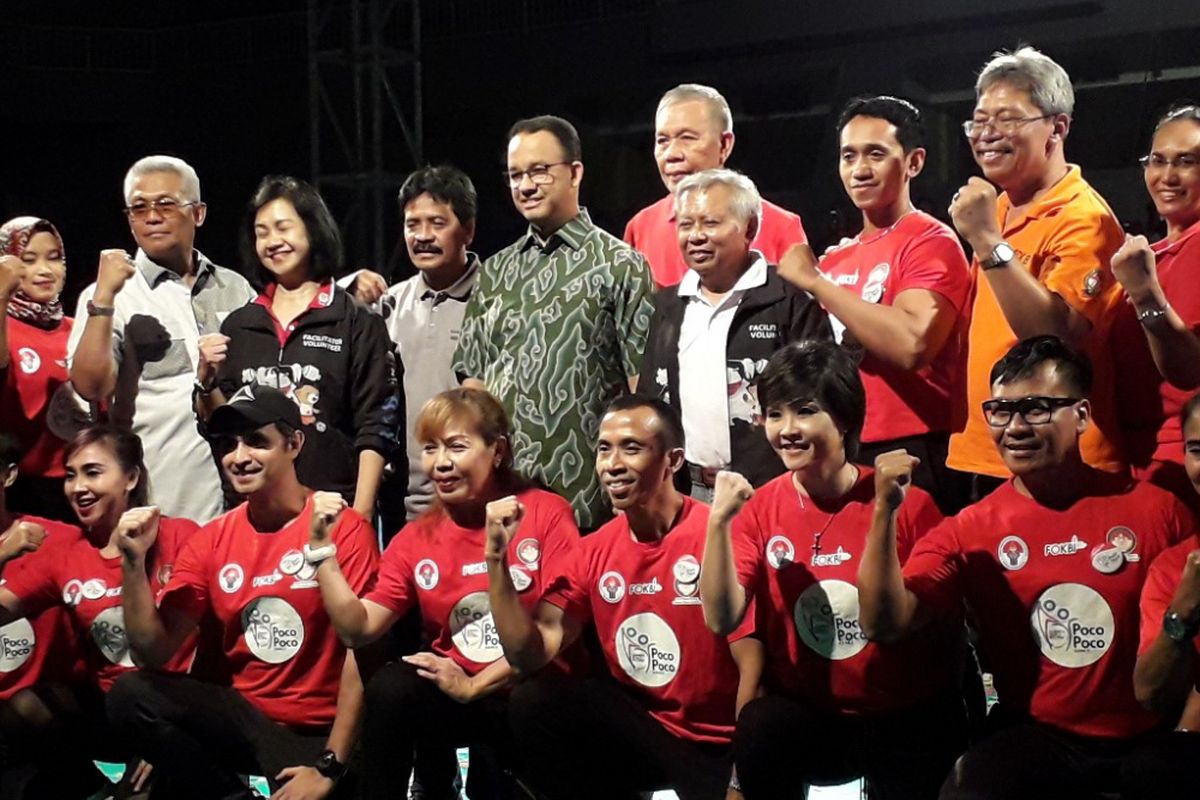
(826, 617)
(520, 578)
(686, 569)
(426, 573)
(231, 578)
(612, 587)
(108, 632)
(1073, 624)
(529, 551)
(94, 589)
(292, 562)
(472, 629)
(272, 629)
(648, 650)
(73, 592)
(16, 644)
(31, 362)
(780, 551)
(1012, 553)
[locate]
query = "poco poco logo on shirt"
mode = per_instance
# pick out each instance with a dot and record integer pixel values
(1073, 624)
(826, 617)
(16, 644)
(108, 632)
(472, 629)
(272, 629)
(648, 650)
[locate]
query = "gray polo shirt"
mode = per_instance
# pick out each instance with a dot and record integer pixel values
(156, 323)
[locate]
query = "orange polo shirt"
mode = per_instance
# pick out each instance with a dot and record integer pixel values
(1066, 239)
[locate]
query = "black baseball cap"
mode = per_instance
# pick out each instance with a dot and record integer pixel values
(252, 407)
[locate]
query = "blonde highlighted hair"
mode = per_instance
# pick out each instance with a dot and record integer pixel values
(477, 409)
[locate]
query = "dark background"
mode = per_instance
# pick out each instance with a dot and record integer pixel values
(90, 87)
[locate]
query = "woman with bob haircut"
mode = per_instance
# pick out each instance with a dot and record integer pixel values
(836, 707)
(308, 338)
(455, 694)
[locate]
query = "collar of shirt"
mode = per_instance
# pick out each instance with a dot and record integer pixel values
(460, 290)
(572, 233)
(322, 299)
(156, 273)
(1057, 196)
(754, 277)
(1164, 247)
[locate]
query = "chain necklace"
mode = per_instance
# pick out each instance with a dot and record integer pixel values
(880, 234)
(816, 544)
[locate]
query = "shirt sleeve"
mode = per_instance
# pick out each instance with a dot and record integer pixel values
(933, 570)
(475, 350)
(936, 263)
(559, 534)
(1157, 592)
(187, 590)
(1080, 252)
(378, 402)
(630, 236)
(746, 536)
(394, 585)
(781, 230)
(918, 516)
(358, 557)
(569, 587)
(633, 307)
(34, 580)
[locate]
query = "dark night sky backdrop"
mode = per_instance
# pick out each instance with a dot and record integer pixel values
(89, 88)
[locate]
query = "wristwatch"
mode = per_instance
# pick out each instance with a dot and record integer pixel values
(315, 555)
(1001, 254)
(1178, 628)
(99, 311)
(1149, 316)
(329, 766)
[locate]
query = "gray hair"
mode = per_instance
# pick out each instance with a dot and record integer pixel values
(685, 92)
(1027, 68)
(144, 166)
(745, 200)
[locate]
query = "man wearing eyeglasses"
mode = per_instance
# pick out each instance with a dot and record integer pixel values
(1041, 249)
(1051, 565)
(557, 326)
(145, 315)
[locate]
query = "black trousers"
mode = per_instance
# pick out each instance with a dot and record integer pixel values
(587, 739)
(781, 747)
(49, 735)
(202, 737)
(950, 488)
(407, 714)
(1028, 761)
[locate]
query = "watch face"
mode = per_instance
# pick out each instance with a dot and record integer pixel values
(1002, 254)
(1175, 627)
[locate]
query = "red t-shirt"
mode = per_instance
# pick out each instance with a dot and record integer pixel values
(644, 598)
(39, 648)
(807, 601)
(1054, 594)
(918, 253)
(89, 586)
(438, 566)
(1149, 407)
(278, 644)
(35, 400)
(652, 231)
(1161, 583)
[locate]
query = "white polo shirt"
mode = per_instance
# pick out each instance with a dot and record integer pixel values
(703, 368)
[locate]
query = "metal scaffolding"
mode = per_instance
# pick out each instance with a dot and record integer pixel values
(365, 120)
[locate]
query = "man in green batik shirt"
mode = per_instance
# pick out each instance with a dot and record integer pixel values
(557, 325)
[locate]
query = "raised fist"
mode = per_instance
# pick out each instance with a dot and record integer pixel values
(137, 531)
(503, 519)
(1134, 268)
(893, 476)
(12, 272)
(731, 491)
(326, 508)
(23, 537)
(116, 267)
(973, 211)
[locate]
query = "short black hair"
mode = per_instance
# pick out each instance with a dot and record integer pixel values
(821, 371)
(670, 432)
(910, 130)
(324, 239)
(10, 450)
(1028, 355)
(446, 184)
(1180, 110)
(558, 127)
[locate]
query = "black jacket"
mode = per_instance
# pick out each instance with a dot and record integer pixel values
(340, 367)
(767, 318)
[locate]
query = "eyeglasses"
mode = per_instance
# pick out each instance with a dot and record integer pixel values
(1005, 126)
(1034, 410)
(1184, 163)
(539, 174)
(165, 206)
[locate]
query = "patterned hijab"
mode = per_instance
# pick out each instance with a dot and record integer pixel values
(14, 238)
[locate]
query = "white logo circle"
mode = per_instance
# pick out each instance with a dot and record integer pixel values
(529, 551)
(16, 644)
(612, 587)
(272, 629)
(686, 569)
(648, 650)
(292, 562)
(872, 291)
(73, 592)
(426, 573)
(472, 629)
(520, 578)
(108, 632)
(1073, 624)
(31, 362)
(826, 617)
(231, 578)
(780, 551)
(1012, 553)
(94, 589)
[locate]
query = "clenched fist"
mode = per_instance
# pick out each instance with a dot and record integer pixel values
(503, 519)
(799, 267)
(1134, 268)
(893, 476)
(137, 531)
(12, 272)
(369, 287)
(214, 347)
(116, 267)
(23, 537)
(973, 211)
(731, 491)
(326, 508)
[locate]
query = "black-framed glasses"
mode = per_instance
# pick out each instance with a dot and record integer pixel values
(165, 206)
(1005, 126)
(1035, 410)
(538, 173)
(1185, 162)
